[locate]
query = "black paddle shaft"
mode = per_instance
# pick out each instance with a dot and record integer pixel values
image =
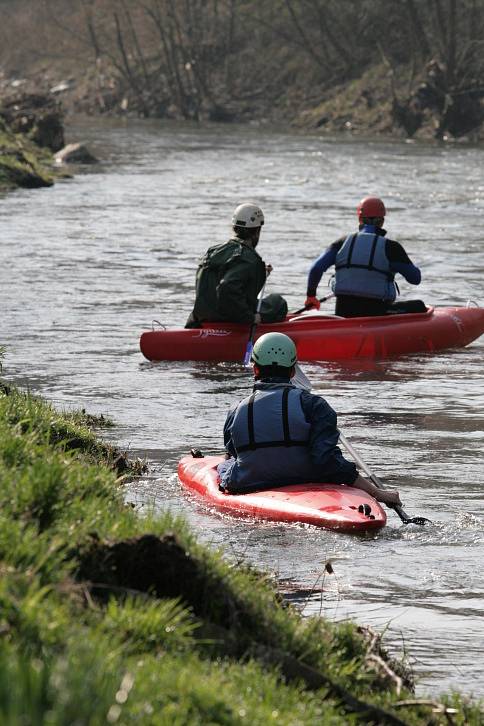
(406, 519)
(306, 307)
(397, 507)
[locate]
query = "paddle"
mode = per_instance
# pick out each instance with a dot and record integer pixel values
(306, 307)
(301, 380)
(250, 343)
(406, 519)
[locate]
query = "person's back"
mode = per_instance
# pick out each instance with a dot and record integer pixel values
(229, 278)
(283, 435)
(365, 266)
(362, 266)
(231, 275)
(270, 434)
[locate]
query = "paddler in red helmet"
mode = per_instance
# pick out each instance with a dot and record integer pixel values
(366, 263)
(281, 434)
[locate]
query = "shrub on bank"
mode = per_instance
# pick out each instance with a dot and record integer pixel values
(22, 162)
(107, 617)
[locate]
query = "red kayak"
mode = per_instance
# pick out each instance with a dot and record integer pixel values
(331, 506)
(325, 337)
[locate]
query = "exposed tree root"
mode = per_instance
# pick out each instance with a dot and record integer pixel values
(437, 708)
(293, 669)
(387, 667)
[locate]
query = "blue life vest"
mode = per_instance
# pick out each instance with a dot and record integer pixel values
(363, 269)
(270, 435)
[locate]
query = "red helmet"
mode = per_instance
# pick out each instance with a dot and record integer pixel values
(371, 207)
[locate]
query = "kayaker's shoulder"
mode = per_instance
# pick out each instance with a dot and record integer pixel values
(395, 251)
(232, 250)
(246, 252)
(313, 404)
(239, 249)
(222, 247)
(337, 244)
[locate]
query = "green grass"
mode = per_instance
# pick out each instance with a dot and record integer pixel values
(107, 617)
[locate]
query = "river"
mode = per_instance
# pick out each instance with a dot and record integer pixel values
(86, 265)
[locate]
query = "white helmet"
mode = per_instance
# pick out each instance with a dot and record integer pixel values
(248, 215)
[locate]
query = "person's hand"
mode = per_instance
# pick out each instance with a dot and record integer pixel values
(269, 269)
(389, 497)
(312, 302)
(257, 318)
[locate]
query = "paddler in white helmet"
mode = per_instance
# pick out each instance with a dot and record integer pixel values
(281, 434)
(231, 275)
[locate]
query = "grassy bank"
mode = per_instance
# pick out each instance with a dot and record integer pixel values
(106, 617)
(23, 163)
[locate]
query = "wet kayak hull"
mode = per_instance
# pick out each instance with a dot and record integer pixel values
(330, 506)
(322, 337)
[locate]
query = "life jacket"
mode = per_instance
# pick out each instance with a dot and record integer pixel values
(363, 268)
(270, 435)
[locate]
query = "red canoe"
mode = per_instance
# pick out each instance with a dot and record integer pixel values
(331, 506)
(325, 337)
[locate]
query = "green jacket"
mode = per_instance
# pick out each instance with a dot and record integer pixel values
(229, 278)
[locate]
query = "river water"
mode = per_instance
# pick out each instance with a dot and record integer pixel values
(86, 265)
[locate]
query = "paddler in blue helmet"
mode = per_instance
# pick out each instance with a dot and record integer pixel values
(281, 434)
(366, 263)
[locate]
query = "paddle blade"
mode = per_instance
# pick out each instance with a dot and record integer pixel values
(406, 519)
(418, 520)
(248, 353)
(300, 379)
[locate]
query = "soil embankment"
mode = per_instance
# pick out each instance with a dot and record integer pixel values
(134, 612)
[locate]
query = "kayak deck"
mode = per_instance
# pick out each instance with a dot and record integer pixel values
(330, 506)
(322, 337)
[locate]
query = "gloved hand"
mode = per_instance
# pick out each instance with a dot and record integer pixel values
(312, 302)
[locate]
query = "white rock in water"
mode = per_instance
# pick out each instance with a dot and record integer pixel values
(61, 87)
(75, 154)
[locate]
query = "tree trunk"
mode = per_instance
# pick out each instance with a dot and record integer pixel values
(451, 43)
(418, 29)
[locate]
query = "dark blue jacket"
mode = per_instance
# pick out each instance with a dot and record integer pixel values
(290, 442)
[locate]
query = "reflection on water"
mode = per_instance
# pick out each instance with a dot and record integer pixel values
(84, 267)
